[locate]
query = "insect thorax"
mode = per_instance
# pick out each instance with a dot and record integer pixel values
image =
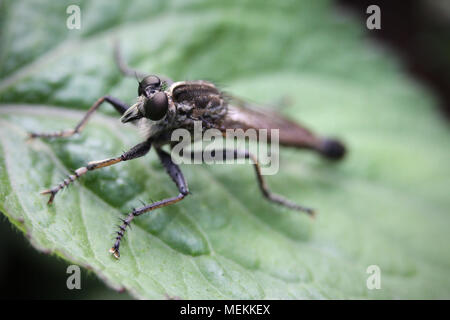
(197, 101)
(190, 101)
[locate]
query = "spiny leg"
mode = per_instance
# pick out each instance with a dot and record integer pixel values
(135, 152)
(117, 104)
(177, 176)
(244, 154)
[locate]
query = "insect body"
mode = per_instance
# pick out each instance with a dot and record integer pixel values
(163, 106)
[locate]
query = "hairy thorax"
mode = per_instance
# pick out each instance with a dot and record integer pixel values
(189, 101)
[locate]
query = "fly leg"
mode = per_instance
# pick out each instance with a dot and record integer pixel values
(177, 176)
(129, 72)
(269, 195)
(135, 152)
(117, 104)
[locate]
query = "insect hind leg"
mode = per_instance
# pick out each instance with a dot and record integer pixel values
(269, 195)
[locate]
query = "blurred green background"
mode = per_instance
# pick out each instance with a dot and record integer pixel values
(320, 46)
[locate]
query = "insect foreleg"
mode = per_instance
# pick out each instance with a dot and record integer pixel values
(129, 72)
(273, 197)
(117, 104)
(135, 152)
(177, 176)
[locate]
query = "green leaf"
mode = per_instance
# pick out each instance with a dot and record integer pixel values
(386, 204)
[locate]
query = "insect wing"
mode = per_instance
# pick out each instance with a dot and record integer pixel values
(245, 115)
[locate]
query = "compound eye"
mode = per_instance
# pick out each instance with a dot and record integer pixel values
(148, 81)
(156, 107)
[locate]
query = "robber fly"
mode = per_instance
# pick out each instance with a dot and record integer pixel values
(163, 106)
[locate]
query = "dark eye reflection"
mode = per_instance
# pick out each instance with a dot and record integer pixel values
(152, 82)
(156, 107)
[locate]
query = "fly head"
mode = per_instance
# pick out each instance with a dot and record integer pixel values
(152, 102)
